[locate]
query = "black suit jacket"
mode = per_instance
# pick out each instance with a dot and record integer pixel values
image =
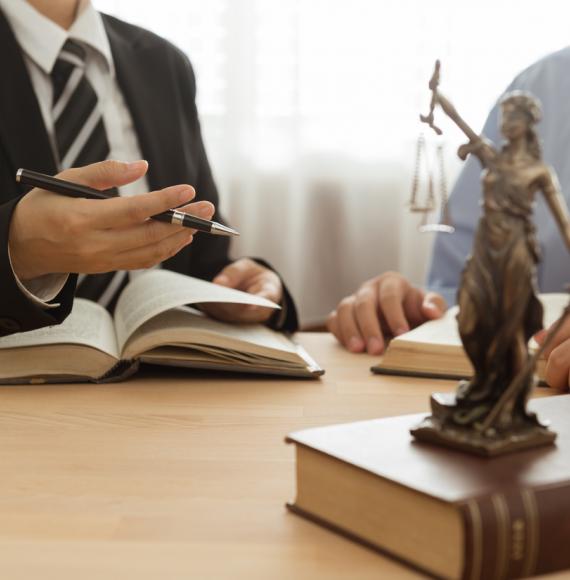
(158, 84)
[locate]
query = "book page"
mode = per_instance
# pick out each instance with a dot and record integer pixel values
(88, 324)
(444, 331)
(156, 291)
(186, 326)
(441, 331)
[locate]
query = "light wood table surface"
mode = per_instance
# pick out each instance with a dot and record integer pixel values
(169, 476)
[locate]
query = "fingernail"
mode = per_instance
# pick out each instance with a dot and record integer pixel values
(204, 211)
(136, 165)
(374, 346)
(401, 330)
(540, 335)
(355, 344)
(222, 279)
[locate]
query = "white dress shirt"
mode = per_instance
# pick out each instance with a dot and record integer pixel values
(549, 81)
(41, 41)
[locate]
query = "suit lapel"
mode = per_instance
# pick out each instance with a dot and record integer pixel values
(22, 130)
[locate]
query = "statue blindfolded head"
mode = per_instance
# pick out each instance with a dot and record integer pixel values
(521, 106)
(524, 103)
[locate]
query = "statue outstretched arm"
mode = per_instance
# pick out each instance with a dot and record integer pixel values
(449, 109)
(557, 204)
(477, 145)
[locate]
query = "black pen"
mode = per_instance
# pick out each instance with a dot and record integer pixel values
(171, 216)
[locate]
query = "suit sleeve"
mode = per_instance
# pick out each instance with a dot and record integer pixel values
(210, 254)
(17, 312)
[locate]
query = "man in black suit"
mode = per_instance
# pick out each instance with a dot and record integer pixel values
(83, 87)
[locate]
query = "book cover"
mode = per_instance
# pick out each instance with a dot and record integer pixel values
(450, 514)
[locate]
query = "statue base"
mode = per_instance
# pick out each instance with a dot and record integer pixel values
(438, 429)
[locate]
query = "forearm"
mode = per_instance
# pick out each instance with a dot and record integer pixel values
(449, 109)
(559, 210)
(18, 312)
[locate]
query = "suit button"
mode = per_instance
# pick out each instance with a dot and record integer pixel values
(10, 325)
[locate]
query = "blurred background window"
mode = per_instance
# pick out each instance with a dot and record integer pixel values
(310, 108)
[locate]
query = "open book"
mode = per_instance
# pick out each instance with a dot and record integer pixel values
(434, 349)
(153, 322)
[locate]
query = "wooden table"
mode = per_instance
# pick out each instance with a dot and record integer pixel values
(167, 477)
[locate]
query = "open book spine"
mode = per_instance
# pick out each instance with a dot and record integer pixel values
(517, 533)
(119, 372)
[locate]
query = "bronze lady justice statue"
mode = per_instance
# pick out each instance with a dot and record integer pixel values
(498, 307)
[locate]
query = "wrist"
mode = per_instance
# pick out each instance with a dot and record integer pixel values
(19, 257)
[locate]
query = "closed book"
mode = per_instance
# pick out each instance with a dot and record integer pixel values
(434, 349)
(450, 514)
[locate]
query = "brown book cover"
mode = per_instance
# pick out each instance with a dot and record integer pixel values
(447, 513)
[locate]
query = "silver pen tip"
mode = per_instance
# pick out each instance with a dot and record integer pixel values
(19, 174)
(222, 230)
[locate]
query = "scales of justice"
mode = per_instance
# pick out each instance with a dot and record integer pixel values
(498, 306)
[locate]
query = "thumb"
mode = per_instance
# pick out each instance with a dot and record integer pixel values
(234, 274)
(226, 278)
(106, 174)
(433, 306)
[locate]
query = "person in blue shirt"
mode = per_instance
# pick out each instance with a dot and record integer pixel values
(389, 305)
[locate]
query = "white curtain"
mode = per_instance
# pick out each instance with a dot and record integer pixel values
(310, 115)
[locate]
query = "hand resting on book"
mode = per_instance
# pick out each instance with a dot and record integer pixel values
(248, 276)
(387, 305)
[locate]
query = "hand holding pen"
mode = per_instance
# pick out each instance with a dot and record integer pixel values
(70, 189)
(50, 233)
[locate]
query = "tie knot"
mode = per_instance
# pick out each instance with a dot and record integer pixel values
(71, 58)
(73, 53)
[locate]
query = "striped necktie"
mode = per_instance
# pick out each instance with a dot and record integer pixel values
(81, 139)
(78, 124)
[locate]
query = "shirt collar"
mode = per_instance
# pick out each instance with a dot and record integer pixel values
(42, 40)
